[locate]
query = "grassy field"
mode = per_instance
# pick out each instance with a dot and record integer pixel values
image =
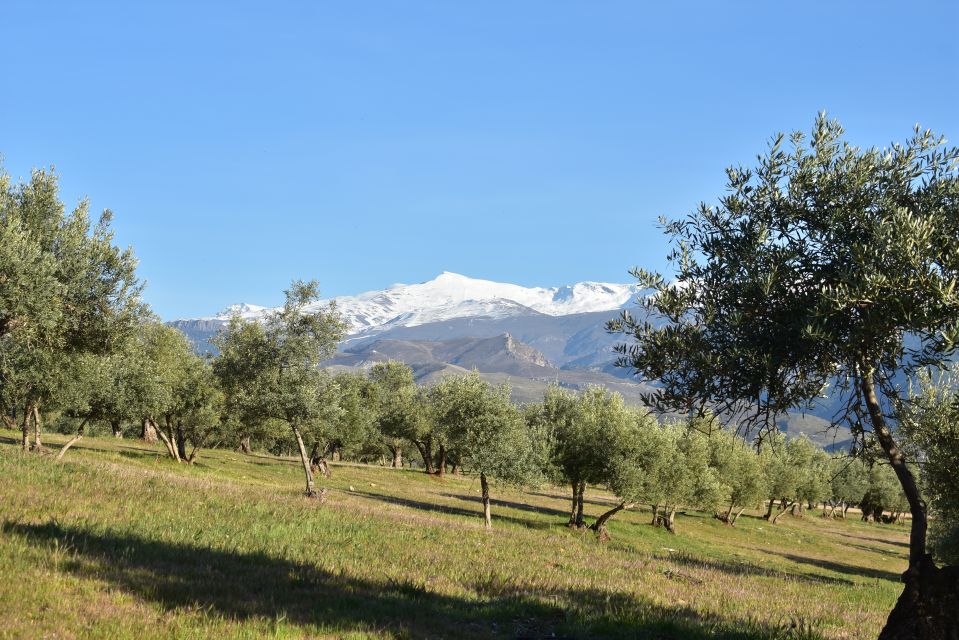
(115, 541)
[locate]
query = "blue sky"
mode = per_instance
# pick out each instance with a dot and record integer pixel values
(241, 145)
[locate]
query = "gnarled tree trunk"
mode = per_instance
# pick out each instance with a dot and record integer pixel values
(600, 525)
(181, 442)
(441, 463)
(116, 428)
(928, 608)
(148, 431)
(397, 452)
(25, 428)
(426, 452)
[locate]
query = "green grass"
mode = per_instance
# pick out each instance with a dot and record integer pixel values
(116, 541)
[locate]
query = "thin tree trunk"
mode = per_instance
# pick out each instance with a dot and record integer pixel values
(310, 489)
(600, 525)
(736, 517)
(779, 514)
(37, 428)
(72, 441)
(726, 517)
(769, 509)
(917, 506)
(25, 428)
(318, 461)
(169, 439)
(486, 508)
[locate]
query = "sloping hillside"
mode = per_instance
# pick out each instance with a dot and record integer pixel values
(118, 542)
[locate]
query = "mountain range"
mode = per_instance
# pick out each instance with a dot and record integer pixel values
(527, 336)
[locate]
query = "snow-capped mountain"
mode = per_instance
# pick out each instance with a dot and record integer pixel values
(450, 296)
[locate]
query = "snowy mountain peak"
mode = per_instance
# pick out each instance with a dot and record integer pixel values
(452, 295)
(242, 309)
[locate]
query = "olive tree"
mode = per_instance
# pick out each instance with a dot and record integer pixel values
(400, 411)
(65, 290)
(272, 370)
(580, 442)
(826, 264)
(487, 433)
(849, 479)
(739, 473)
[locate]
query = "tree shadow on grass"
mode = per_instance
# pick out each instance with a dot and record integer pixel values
(839, 567)
(740, 568)
(519, 506)
(256, 586)
(599, 502)
(433, 507)
(895, 543)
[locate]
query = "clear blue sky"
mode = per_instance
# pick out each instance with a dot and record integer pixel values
(365, 143)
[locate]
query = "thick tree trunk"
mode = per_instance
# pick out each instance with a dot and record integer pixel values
(37, 429)
(441, 463)
(928, 608)
(307, 471)
(667, 519)
(148, 431)
(426, 453)
(600, 525)
(181, 442)
(116, 428)
(72, 441)
(484, 485)
(580, 522)
(397, 457)
(655, 515)
(575, 502)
